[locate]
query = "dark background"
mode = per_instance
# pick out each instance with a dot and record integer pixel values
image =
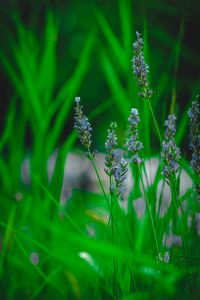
(165, 20)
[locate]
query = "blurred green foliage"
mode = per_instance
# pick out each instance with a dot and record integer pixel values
(52, 51)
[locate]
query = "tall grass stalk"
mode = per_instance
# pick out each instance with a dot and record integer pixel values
(155, 121)
(177, 197)
(149, 210)
(173, 195)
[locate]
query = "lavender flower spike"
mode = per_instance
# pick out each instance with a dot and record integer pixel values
(82, 125)
(140, 68)
(120, 171)
(132, 143)
(110, 146)
(194, 116)
(116, 165)
(170, 152)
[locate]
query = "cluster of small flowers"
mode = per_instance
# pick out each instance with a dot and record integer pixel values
(140, 68)
(164, 258)
(132, 143)
(118, 168)
(170, 152)
(194, 117)
(82, 125)
(120, 171)
(110, 146)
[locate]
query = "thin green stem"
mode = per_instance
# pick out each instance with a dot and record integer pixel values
(113, 242)
(155, 122)
(98, 176)
(182, 210)
(149, 209)
(100, 182)
(179, 223)
(126, 245)
(190, 282)
(91, 157)
(101, 260)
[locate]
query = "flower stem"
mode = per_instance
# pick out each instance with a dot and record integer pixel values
(91, 157)
(179, 223)
(155, 122)
(101, 260)
(149, 209)
(98, 176)
(181, 206)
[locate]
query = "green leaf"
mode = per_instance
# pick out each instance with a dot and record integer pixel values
(66, 95)
(118, 93)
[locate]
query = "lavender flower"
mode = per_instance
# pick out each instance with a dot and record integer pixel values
(194, 116)
(132, 143)
(120, 171)
(170, 152)
(115, 166)
(140, 68)
(82, 125)
(110, 146)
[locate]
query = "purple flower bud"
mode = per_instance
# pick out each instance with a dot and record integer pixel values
(194, 119)
(110, 145)
(116, 166)
(82, 125)
(132, 143)
(170, 152)
(140, 68)
(120, 171)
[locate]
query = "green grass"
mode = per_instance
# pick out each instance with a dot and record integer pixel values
(90, 247)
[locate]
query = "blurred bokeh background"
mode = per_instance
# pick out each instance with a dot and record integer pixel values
(50, 52)
(106, 31)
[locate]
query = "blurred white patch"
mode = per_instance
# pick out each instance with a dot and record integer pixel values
(79, 173)
(75, 165)
(197, 220)
(100, 164)
(185, 182)
(151, 168)
(184, 206)
(51, 164)
(25, 171)
(18, 196)
(171, 239)
(140, 207)
(163, 194)
(189, 221)
(34, 258)
(76, 173)
(88, 258)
